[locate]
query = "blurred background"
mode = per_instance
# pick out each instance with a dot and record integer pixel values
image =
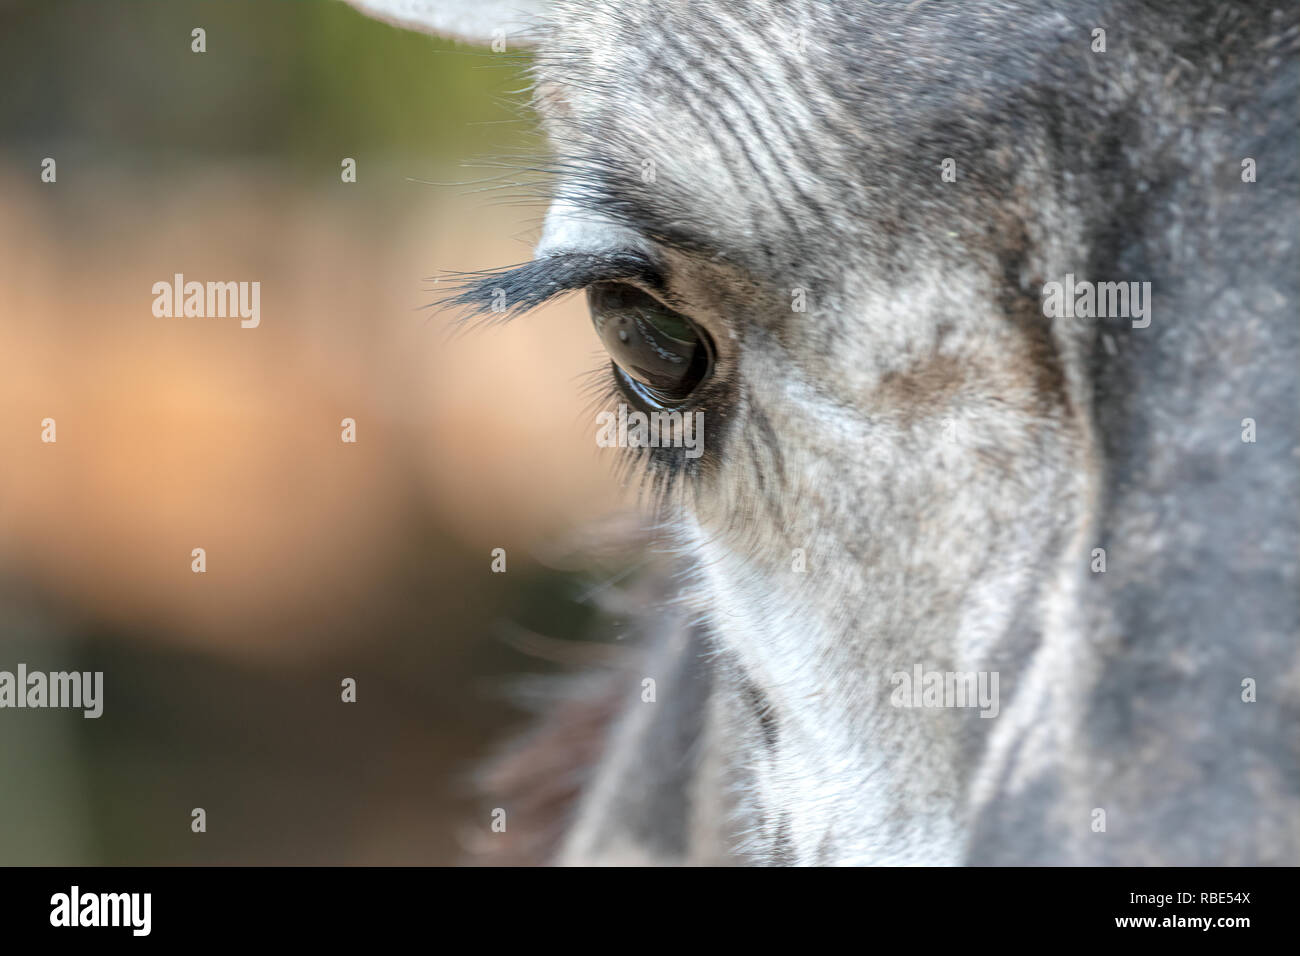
(325, 560)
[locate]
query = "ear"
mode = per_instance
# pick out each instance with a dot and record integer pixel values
(474, 21)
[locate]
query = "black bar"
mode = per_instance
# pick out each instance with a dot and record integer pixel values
(927, 905)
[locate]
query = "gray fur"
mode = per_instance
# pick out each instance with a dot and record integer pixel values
(832, 430)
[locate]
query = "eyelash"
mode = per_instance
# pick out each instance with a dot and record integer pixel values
(663, 474)
(659, 473)
(511, 291)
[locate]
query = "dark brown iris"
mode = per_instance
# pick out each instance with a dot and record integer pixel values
(661, 352)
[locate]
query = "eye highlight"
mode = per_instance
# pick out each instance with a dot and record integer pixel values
(660, 356)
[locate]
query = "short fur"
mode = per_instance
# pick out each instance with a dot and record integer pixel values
(945, 456)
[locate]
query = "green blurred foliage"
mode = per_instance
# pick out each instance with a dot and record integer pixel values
(280, 78)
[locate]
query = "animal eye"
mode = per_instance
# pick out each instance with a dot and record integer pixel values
(660, 356)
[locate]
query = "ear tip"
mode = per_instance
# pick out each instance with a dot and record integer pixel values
(480, 22)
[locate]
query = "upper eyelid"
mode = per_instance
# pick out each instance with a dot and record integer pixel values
(514, 290)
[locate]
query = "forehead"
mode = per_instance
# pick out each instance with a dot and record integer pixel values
(697, 125)
(772, 135)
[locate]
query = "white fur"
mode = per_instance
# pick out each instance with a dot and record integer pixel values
(476, 21)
